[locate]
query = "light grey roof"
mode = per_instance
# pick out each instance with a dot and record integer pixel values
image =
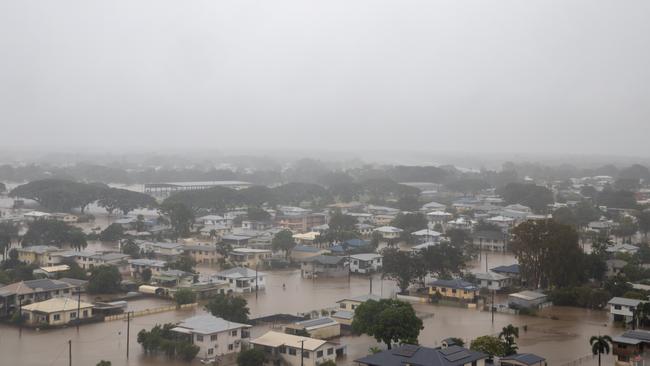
(643, 335)
(147, 262)
(325, 259)
(365, 256)
(624, 301)
(490, 276)
(525, 358)
(361, 298)
(344, 314)
(239, 272)
(528, 295)
(207, 324)
(317, 323)
(626, 340)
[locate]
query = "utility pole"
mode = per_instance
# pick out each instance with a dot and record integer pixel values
(370, 284)
(78, 307)
(256, 286)
(128, 330)
(69, 352)
(486, 262)
(492, 310)
(302, 349)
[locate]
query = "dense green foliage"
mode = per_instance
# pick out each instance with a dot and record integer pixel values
(531, 195)
(162, 339)
(53, 232)
(104, 280)
(251, 357)
(181, 217)
(389, 321)
(184, 296)
(490, 345)
(231, 308)
(283, 241)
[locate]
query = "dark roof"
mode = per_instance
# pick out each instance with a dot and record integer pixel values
(46, 284)
(512, 269)
(642, 335)
(457, 284)
(423, 356)
(489, 234)
(356, 242)
(525, 358)
(325, 259)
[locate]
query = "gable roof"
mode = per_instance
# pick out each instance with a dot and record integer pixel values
(423, 356)
(324, 259)
(624, 301)
(239, 272)
(207, 324)
(511, 269)
(525, 358)
(57, 304)
(276, 339)
(456, 284)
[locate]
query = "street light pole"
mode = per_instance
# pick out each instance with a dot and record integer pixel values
(256, 285)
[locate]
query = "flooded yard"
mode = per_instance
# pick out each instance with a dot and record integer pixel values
(561, 339)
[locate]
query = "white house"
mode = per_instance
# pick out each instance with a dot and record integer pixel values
(241, 279)
(492, 281)
(389, 232)
(292, 350)
(214, 336)
(622, 309)
(426, 235)
(365, 262)
(211, 220)
(136, 266)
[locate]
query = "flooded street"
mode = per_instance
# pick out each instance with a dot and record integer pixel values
(560, 341)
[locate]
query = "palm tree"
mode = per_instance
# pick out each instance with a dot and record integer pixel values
(508, 334)
(600, 345)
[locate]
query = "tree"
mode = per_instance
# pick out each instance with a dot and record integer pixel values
(257, 214)
(146, 275)
(183, 263)
(626, 228)
(410, 222)
(180, 216)
(59, 194)
(231, 308)
(104, 363)
(184, 296)
(113, 232)
(161, 338)
(490, 345)
(401, 266)
(131, 248)
(599, 345)
(283, 241)
(75, 271)
(443, 260)
(509, 334)
(536, 197)
(53, 232)
(125, 200)
(644, 222)
(8, 233)
(565, 215)
(104, 280)
(387, 320)
(548, 253)
(251, 357)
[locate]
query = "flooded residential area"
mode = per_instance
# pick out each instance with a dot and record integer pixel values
(323, 183)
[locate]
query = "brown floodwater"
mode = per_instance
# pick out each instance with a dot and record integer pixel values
(560, 341)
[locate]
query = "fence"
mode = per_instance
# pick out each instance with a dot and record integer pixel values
(149, 311)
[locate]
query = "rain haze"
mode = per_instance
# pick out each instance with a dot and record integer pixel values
(472, 76)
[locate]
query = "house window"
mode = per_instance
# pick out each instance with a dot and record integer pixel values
(305, 354)
(282, 349)
(213, 337)
(73, 315)
(292, 351)
(617, 307)
(342, 306)
(85, 313)
(330, 351)
(199, 338)
(319, 354)
(453, 291)
(354, 307)
(233, 333)
(210, 351)
(56, 317)
(231, 347)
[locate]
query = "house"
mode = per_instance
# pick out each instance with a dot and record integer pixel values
(453, 289)
(215, 231)
(622, 249)
(56, 311)
(300, 222)
(408, 354)
(241, 279)
(256, 225)
(527, 299)
(236, 240)
(162, 250)
(202, 254)
(630, 347)
(615, 266)
(351, 304)
(623, 309)
(11, 296)
(420, 247)
(137, 266)
(300, 252)
(214, 336)
(249, 257)
(389, 232)
(51, 271)
(321, 328)
(172, 278)
(492, 281)
(433, 206)
(37, 254)
(306, 238)
(438, 218)
(292, 350)
(364, 229)
(323, 266)
(211, 220)
(490, 240)
(460, 223)
(523, 359)
(88, 260)
(426, 236)
(343, 316)
(365, 263)
(512, 271)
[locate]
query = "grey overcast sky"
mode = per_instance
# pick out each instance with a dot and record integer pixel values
(561, 76)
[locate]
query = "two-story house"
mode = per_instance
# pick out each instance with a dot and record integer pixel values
(622, 309)
(292, 350)
(242, 279)
(365, 263)
(214, 336)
